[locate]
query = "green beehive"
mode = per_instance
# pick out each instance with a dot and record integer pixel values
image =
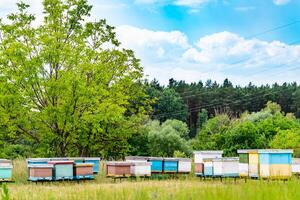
(5, 170)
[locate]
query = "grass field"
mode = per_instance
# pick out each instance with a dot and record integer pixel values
(185, 188)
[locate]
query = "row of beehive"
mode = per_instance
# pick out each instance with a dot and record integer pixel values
(52, 169)
(145, 166)
(272, 163)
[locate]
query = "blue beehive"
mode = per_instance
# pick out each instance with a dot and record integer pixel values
(170, 165)
(5, 170)
(95, 162)
(156, 164)
(208, 167)
(63, 170)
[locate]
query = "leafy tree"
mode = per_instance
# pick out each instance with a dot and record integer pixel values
(163, 139)
(66, 86)
(287, 139)
(243, 135)
(167, 103)
(210, 136)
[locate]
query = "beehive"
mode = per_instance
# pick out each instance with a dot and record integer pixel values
(217, 167)
(170, 165)
(118, 169)
(296, 166)
(230, 167)
(5, 170)
(208, 166)
(275, 163)
(184, 165)
(95, 161)
(199, 169)
(140, 168)
(63, 170)
(83, 171)
(40, 172)
(244, 164)
(200, 155)
(156, 164)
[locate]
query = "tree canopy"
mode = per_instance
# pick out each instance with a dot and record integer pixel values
(67, 88)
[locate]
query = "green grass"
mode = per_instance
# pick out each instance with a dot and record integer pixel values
(184, 188)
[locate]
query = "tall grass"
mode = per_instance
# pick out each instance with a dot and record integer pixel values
(184, 188)
(160, 190)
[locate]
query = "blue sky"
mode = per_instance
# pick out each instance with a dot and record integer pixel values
(205, 39)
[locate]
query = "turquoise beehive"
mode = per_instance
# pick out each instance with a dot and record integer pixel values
(63, 170)
(170, 165)
(156, 164)
(6, 170)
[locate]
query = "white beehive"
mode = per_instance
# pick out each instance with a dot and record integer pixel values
(184, 165)
(140, 168)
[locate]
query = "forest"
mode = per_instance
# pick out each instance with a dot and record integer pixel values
(68, 88)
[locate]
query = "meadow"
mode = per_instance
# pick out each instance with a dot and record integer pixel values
(182, 188)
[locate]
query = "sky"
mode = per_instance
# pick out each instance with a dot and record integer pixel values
(246, 41)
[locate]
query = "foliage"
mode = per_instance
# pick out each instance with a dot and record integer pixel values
(267, 128)
(167, 103)
(66, 86)
(287, 139)
(163, 139)
(233, 100)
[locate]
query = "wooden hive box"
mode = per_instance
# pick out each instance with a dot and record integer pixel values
(217, 167)
(40, 172)
(156, 164)
(96, 163)
(118, 169)
(63, 170)
(140, 168)
(184, 165)
(83, 171)
(230, 167)
(275, 163)
(5, 170)
(208, 167)
(244, 165)
(170, 165)
(199, 169)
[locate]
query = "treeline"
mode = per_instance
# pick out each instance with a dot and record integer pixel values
(268, 128)
(189, 102)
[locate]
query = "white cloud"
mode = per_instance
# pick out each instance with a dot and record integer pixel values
(152, 46)
(281, 2)
(217, 56)
(228, 48)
